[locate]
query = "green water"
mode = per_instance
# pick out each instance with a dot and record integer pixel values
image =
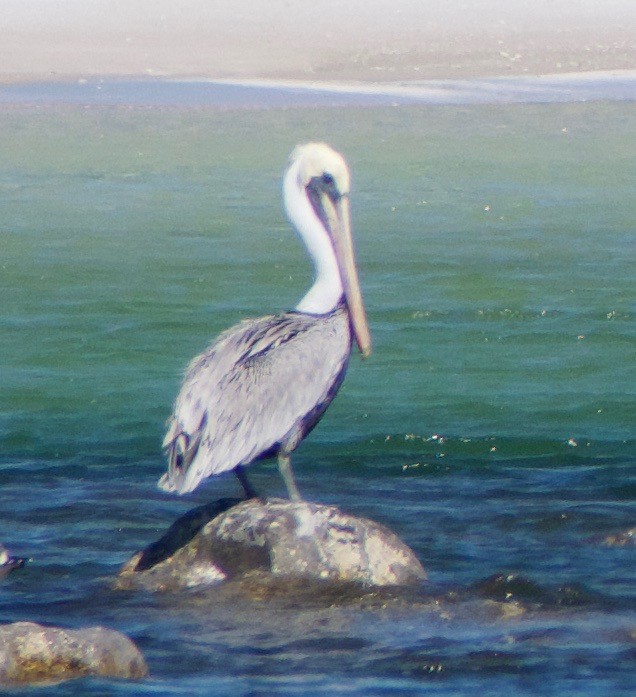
(496, 247)
(492, 428)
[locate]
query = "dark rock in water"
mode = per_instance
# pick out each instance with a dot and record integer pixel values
(576, 594)
(31, 653)
(9, 563)
(504, 587)
(278, 537)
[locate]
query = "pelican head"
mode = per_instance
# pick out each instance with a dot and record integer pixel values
(316, 193)
(315, 160)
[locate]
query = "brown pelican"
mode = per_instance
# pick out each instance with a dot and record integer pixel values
(261, 387)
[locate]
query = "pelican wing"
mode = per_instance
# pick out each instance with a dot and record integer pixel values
(262, 384)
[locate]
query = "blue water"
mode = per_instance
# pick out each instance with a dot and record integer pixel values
(492, 428)
(618, 86)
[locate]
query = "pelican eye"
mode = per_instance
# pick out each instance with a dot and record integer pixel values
(329, 186)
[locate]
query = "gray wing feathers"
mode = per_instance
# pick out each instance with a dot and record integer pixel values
(250, 391)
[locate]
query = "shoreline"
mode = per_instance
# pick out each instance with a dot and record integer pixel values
(151, 91)
(327, 77)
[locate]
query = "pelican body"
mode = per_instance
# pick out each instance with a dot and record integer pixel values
(261, 387)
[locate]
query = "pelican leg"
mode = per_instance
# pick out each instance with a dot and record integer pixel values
(284, 465)
(250, 492)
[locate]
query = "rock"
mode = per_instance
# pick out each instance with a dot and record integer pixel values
(31, 653)
(511, 588)
(279, 537)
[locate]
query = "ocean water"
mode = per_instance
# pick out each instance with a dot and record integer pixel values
(492, 428)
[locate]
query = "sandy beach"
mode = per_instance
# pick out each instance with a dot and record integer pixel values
(362, 40)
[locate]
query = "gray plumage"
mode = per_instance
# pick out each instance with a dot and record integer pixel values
(256, 391)
(264, 384)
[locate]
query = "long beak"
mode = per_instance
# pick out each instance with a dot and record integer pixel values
(340, 223)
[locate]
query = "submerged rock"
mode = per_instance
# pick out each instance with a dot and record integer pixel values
(31, 653)
(623, 538)
(278, 537)
(511, 588)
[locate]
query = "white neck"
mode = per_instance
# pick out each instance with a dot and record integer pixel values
(324, 295)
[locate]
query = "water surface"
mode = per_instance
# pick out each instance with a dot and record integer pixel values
(492, 428)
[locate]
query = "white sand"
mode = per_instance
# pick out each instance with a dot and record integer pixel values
(322, 40)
